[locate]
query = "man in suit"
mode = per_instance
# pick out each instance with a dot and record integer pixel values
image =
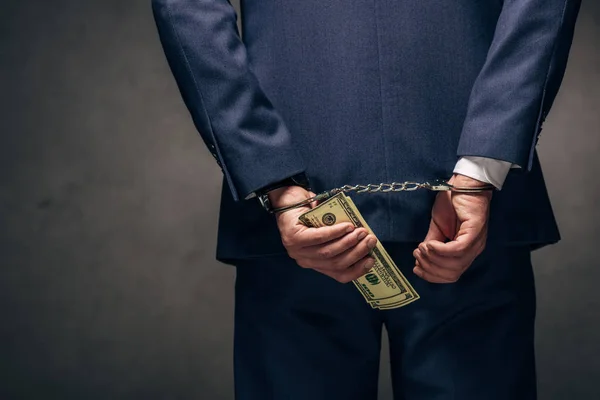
(325, 93)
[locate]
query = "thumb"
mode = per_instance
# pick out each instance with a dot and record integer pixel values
(435, 233)
(314, 203)
(443, 224)
(295, 213)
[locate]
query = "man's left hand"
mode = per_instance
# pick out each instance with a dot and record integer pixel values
(457, 233)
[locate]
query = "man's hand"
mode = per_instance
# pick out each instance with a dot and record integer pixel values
(457, 233)
(339, 251)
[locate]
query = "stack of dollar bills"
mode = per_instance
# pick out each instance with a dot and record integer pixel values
(384, 286)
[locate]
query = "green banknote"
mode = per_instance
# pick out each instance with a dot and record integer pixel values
(384, 286)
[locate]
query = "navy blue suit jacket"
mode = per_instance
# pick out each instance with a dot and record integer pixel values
(369, 91)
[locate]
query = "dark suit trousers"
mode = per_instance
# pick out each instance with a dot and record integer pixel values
(300, 335)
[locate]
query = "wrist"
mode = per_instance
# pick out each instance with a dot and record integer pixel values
(459, 180)
(289, 190)
(287, 195)
(463, 181)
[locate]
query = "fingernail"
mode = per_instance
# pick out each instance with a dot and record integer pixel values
(369, 264)
(372, 243)
(362, 235)
(350, 228)
(417, 271)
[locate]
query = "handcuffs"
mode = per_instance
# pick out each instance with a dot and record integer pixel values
(436, 186)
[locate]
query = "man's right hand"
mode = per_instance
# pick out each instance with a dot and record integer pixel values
(339, 251)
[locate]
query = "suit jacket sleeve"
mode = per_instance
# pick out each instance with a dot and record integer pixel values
(233, 115)
(519, 80)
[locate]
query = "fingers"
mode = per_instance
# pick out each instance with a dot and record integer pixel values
(295, 238)
(426, 251)
(351, 273)
(425, 275)
(432, 267)
(432, 272)
(459, 253)
(341, 261)
(462, 246)
(439, 262)
(335, 247)
(434, 233)
(314, 203)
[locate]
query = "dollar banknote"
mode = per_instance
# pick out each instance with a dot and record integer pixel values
(384, 286)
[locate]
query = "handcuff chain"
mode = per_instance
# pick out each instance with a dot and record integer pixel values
(408, 186)
(382, 187)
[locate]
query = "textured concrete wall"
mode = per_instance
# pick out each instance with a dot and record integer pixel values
(108, 210)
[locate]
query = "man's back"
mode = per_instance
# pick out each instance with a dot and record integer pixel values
(379, 91)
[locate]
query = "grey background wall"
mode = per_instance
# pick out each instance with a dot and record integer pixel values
(108, 210)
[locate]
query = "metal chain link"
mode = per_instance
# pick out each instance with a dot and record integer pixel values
(408, 186)
(383, 187)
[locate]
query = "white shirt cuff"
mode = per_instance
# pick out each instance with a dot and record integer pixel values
(488, 170)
